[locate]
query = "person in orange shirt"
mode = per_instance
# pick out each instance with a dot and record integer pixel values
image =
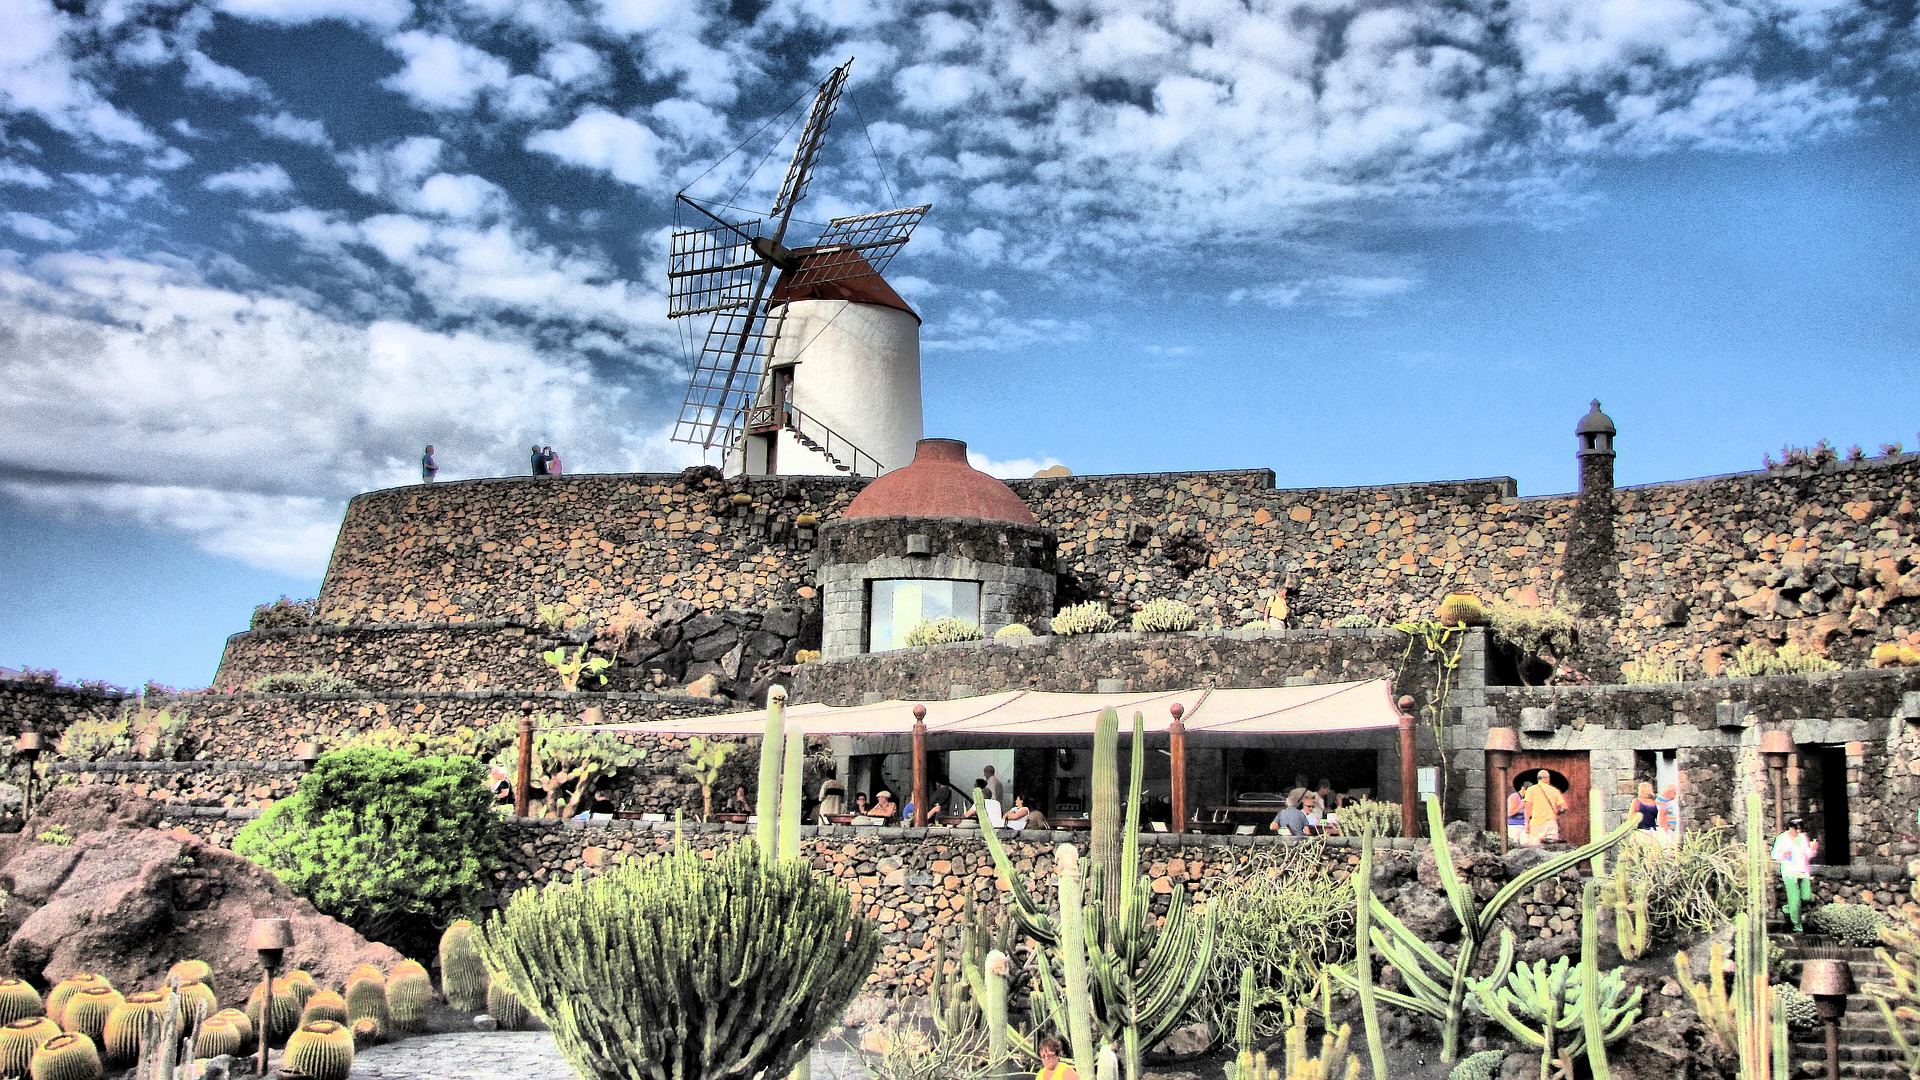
(1544, 806)
(1051, 1067)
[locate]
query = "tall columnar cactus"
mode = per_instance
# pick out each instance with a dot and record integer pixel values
(1243, 1016)
(1142, 977)
(772, 743)
(733, 966)
(792, 792)
(367, 1000)
(1752, 995)
(87, 1011)
(954, 1003)
(1711, 999)
(463, 978)
(1103, 850)
(1632, 931)
(19, 1000)
(993, 1006)
(1436, 986)
(1362, 881)
(1107, 1064)
(71, 1056)
(1593, 1020)
(19, 1039)
(409, 995)
(321, 1049)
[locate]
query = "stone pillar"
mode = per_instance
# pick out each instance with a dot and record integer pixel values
(1591, 569)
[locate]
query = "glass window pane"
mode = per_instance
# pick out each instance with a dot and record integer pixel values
(898, 605)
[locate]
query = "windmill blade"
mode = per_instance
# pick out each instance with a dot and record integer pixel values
(726, 376)
(711, 269)
(800, 170)
(851, 246)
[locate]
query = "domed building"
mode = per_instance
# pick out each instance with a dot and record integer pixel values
(935, 539)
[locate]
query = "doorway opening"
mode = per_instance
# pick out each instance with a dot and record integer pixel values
(1824, 803)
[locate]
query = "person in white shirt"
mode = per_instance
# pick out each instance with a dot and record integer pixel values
(995, 790)
(1794, 852)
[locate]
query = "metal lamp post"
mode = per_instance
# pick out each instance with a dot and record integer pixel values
(1502, 744)
(1828, 982)
(28, 749)
(271, 938)
(1775, 748)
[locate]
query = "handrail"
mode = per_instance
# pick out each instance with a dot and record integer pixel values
(845, 451)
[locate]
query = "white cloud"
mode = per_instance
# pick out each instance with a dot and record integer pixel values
(253, 181)
(574, 65)
(203, 71)
(444, 74)
(40, 74)
(376, 13)
(1012, 468)
(604, 141)
(34, 227)
(462, 196)
(19, 175)
(291, 128)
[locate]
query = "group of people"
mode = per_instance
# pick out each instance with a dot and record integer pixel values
(1308, 811)
(945, 805)
(1534, 809)
(546, 462)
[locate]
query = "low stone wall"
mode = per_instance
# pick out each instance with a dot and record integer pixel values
(395, 656)
(223, 784)
(30, 705)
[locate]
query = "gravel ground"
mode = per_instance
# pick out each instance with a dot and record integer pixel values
(521, 1055)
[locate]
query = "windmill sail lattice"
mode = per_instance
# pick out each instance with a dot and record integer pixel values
(725, 269)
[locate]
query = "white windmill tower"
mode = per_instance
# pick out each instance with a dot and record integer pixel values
(811, 364)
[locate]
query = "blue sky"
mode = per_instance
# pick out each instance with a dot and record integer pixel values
(254, 253)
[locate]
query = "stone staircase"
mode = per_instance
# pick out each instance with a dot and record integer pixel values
(1867, 1050)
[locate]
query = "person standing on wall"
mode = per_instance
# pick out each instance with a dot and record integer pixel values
(1794, 852)
(553, 460)
(1545, 804)
(539, 461)
(428, 470)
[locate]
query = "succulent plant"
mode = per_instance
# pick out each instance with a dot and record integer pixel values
(280, 1021)
(366, 1032)
(301, 983)
(88, 1009)
(19, 1000)
(943, 631)
(463, 977)
(1012, 630)
(1088, 618)
(120, 1037)
(505, 1006)
(322, 1050)
(190, 971)
(1462, 609)
(241, 1023)
(1161, 616)
(367, 1000)
(66, 1057)
(66, 988)
(197, 1000)
(19, 1039)
(409, 995)
(325, 1005)
(217, 1035)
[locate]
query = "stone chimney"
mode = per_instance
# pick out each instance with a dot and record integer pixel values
(1591, 563)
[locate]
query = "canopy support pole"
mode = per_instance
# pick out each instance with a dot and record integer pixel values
(919, 766)
(1177, 750)
(523, 766)
(1409, 769)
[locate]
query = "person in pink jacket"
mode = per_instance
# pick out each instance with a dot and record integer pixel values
(1794, 852)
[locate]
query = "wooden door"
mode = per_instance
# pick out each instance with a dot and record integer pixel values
(1570, 773)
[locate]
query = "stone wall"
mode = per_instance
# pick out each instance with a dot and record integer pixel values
(396, 656)
(223, 784)
(30, 705)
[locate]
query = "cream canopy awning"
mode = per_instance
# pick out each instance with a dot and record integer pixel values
(1279, 710)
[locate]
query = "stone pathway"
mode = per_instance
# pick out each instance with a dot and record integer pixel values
(520, 1055)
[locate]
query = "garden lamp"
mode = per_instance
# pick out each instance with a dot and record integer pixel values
(1775, 748)
(1502, 744)
(1828, 982)
(28, 749)
(306, 754)
(271, 938)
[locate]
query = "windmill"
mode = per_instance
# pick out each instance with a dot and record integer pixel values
(773, 307)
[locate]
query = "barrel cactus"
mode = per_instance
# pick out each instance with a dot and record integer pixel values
(19, 1039)
(366, 1032)
(240, 1022)
(505, 1006)
(322, 1050)
(217, 1036)
(301, 983)
(692, 944)
(66, 1057)
(283, 1017)
(325, 1005)
(463, 978)
(120, 1038)
(367, 1000)
(66, 988)
(409, 995)
(19, 1000)
(87, 1011)
(191, 971)
(197, 1000)
(1462, 609)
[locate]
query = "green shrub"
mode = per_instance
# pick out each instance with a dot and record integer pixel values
(944, 631)
(1796, 1007)
(1286, 918)
(387, 842)
(103, 739)
(1377, 817)
(648, 969)
(1856, 924)
(1484, 1065)
(1161, 616)
(1088, 618)
(1754, 661)
(317, 681)
(1694, 884)
(1652, 672)
(285, 612)
(1356, 620)
(1012, 630)
(1534, 630)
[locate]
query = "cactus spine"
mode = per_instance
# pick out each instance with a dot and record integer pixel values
(66, 1057)
(409, 995)
(1436, 987)
(367, 999)
(240, 1022)
(505, 1006)
(1363, 955)
(463, 978)
(767, 798)
(325, 1005)
(19, 1000)
(120, 1038)
(322, 1050)
(217, 1036)
(64, 989)
(19, 1039)
(87, 1011)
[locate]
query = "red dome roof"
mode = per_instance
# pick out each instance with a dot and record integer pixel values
(940, 484)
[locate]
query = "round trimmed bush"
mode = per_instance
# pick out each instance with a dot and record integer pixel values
(1163, 616)
(1013, 630)
(945, 631)
(1088, 618)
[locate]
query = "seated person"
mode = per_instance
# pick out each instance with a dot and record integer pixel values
(991, 807)
(940, 801)
(738, 803)
(1019, 817)
(1051, 1067)
(883, 807)
(1293, 820)
(860, 804)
